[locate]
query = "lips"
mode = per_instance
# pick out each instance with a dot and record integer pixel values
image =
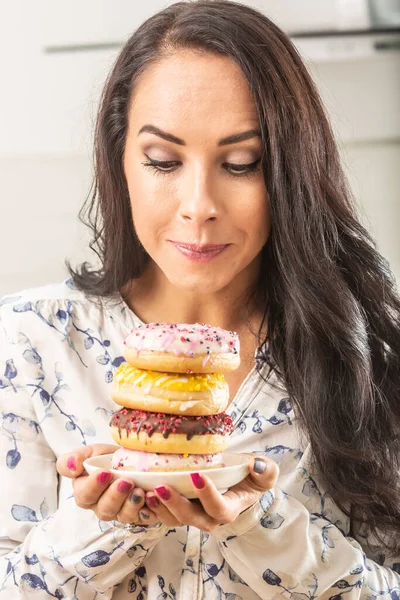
(202, 248)
(200, 253)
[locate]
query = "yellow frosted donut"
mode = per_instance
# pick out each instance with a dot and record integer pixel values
(176, 393)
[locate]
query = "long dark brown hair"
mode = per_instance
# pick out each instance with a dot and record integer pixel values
(330, 300)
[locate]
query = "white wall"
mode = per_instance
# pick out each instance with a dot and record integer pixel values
(47, 105)
(40, 199)
(374, 173)
(363, 100)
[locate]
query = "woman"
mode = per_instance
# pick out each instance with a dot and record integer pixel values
(218, 198)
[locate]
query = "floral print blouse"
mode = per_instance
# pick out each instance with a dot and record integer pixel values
(58, 353)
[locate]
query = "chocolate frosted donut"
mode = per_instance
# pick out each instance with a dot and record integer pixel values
(182, 348)
(140, 420)
(173, 434)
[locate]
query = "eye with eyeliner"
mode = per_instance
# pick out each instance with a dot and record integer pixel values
(163, 167)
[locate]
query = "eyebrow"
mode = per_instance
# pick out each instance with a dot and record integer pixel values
(231, 139)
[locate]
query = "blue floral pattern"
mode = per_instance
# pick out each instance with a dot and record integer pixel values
(58, 353)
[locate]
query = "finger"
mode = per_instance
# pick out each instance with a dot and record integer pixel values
(263, 473)
(222, 508)
(111, 500)
(186, 512)
(130, 508)
(71, 463)
(161, 511)
(148, 517)
(89, 488)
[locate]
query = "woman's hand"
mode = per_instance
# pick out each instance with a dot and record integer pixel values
(120, 500)
(214, 509)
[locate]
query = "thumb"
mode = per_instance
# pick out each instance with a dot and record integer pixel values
(71, 463)
(263, 473)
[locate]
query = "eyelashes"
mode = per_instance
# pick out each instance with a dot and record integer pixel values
(232, 169)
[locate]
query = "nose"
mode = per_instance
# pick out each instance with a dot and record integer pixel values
(199, 201)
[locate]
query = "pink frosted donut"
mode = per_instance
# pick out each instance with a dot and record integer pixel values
(136, 460)
(182, 348)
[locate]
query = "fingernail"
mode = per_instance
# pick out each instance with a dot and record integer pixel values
(135, 498)
(259, 465)
(153, 502)
(124, 487)
(198, 481)
(163, 492)
(104, 477)
(71, 463)
(144, 515)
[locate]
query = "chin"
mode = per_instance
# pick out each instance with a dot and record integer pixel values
(204, 284)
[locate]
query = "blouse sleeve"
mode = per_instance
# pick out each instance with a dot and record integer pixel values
(59, 552)
(280, 549)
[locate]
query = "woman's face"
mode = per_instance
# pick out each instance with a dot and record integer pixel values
(192, 164)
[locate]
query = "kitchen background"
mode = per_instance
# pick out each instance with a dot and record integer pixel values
(54, 57)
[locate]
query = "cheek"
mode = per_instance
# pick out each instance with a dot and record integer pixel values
(150, 219)
(151, 203)
(265, 219)
(254, 216)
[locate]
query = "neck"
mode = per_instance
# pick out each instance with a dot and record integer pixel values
(154, 299)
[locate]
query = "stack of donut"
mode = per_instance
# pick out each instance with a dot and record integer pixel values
(174, 395)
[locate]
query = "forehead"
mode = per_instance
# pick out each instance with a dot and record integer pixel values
(189, 88)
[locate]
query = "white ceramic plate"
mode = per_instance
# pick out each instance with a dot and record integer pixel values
(236, 468)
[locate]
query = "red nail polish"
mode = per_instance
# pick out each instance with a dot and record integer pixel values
(104, 477)
(163, 492)
(153, 502)
(124, 487)
(71, 463)
(198, 481)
